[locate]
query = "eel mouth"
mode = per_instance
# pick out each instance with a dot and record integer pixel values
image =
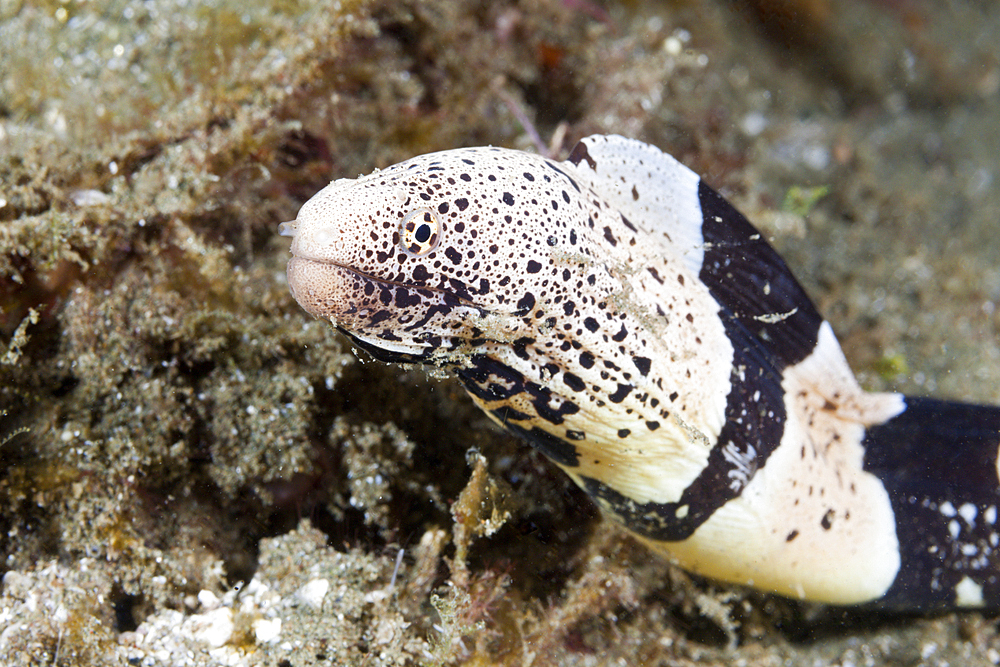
(326, 287)
(308, 276)
(367, 306)
(392, 321)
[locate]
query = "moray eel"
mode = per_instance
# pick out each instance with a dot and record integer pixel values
(629, 323)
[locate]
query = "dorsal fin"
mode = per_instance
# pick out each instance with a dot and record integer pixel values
(748, 279)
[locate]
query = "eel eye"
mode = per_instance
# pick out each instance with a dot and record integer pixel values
(419, 232)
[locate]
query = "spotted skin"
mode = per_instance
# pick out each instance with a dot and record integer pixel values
(624, 319)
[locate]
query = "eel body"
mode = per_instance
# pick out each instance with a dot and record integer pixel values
(624, 319)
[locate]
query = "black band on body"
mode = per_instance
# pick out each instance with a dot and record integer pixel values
(755, 420)
(746, 276)
(938, 462)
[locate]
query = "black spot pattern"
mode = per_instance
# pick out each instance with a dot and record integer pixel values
(517, 274)
(620, 393)
(524, 248)
(495, 382)
(557, 449)
(574, 382)
(754, 424)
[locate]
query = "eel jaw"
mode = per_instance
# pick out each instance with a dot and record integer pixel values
(393, 322)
